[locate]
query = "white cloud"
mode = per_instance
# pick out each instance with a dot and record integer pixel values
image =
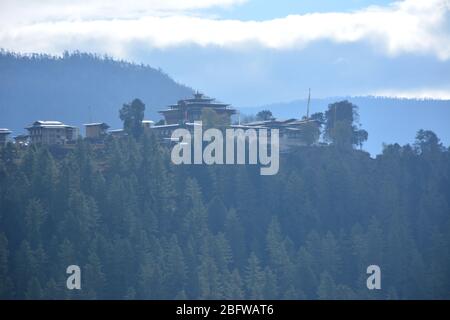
(410, 26)
(440, 94)
(41, 10)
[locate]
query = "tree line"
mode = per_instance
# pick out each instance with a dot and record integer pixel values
(142, 228)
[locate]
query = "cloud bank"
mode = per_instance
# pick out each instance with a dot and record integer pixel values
(26, 11)
(410, 26)
(420, 93)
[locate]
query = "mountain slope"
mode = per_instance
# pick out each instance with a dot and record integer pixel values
(78, 88)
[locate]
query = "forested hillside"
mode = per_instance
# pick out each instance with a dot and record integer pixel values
(78, 88)
(142, 228)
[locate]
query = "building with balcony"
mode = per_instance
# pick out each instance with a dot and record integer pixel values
(52, 133)
(190, 110)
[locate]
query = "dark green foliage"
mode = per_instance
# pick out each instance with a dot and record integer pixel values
(141, 228)
(311, 133)
(341, 125)
(132, 115)
(212, 119)
(264, 115)
(427, 142)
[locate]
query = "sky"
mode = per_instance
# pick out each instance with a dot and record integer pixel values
(253, 52)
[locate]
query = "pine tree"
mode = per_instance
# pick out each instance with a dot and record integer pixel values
(5, 281)
(217, 213)
(234, 233)
(93, 277)
(327, 288)
(254, 278)
(34, 219)
(34, 291)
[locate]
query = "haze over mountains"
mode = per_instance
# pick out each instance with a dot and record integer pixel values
(80, 88)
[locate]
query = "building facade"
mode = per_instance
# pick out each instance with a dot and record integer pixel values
(4, 133)
(292, 132)
(190, 110)
(187, 111)
(96, 131)
(52, 133)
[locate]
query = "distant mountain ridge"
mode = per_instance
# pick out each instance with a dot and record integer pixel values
(388, 120)
(78, 88)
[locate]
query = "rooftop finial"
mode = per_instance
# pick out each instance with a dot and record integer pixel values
(198, 95)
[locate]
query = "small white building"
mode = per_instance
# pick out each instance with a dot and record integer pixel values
(96, 130)
(147, 124)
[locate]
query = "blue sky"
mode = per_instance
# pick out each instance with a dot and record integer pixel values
(254, 77)
(253, 52)
(266, 9)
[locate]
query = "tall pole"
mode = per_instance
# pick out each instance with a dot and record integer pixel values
(307, 108)
(90, 114)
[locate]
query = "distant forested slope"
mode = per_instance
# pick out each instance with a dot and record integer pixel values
(388, 120)
(78, 88)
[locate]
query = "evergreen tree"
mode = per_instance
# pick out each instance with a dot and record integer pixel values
(254, 278)
(132, 115)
